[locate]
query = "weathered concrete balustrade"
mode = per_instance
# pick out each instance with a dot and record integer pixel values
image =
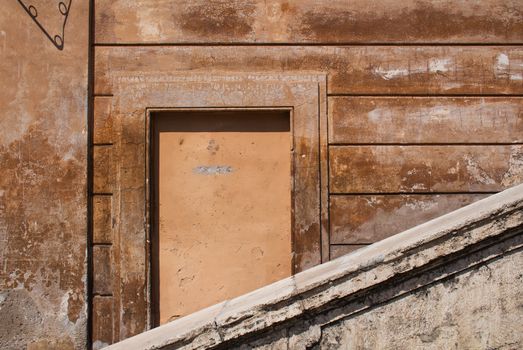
(453, 282)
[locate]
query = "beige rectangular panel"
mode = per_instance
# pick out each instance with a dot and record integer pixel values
(361, 219)
(430, 168)
(223, 190)
(308, 21)
(425, 119)
(452, 70)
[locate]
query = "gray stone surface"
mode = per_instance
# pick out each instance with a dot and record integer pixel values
(20, 319)
(481, 308)
(453, 282)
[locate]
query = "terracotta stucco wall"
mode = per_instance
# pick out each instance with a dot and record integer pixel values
(425, 107)
(43, 173)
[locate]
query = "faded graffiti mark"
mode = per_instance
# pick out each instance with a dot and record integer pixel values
(212, 170)
(63, 8)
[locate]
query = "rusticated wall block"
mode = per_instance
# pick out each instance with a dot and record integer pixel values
(102, 219)
(102, 270)
(103, 121)
(463, 168)
(425, 120)
(337, 250)
(103, 169)
(102, 331)
(360, 219)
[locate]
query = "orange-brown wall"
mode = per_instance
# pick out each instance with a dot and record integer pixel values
(43, 176)
(425, 98)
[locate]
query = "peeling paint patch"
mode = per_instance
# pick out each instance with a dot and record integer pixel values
(148, 29)
(514, 174)
(432, 66)
(212, 169)
(477, 173)
(440, 65)
(507, 68)
(422, 205)
(423, 115)
(502, 65)
(99, 345)
(388, 74)
(502, 60)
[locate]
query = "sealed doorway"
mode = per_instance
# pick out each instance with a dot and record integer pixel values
(221, 197)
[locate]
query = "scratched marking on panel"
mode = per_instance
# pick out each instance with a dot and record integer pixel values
(212, 170)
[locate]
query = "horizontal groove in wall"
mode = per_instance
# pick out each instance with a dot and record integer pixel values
(102, 244)
(101, 144)
(101, 194)
(103, 95)
(408, 193)
(309, 44)
(333, 95)
(340, 144)
(423, 95)
(174, 109)
(395, 95)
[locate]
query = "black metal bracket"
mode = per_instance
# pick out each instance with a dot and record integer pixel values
(63, 8)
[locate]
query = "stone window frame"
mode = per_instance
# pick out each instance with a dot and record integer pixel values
(137, 96)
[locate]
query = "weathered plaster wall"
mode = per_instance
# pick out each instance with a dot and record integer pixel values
(334, 21)
(43, 147)
(411, 108)
(425, 107)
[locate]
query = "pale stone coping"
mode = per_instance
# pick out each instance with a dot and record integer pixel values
(312, 289)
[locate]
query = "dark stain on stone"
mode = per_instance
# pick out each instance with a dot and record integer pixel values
(424, 23)
(218, 19)
(41, 190)
(134, 319)
(306, 246)
(213, 147)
